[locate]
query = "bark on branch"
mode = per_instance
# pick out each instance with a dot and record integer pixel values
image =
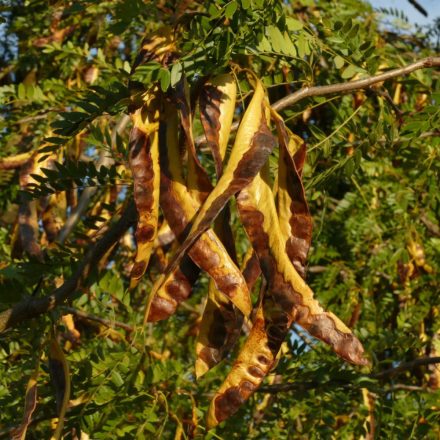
(345, 87)
(350, 86)
(33, 307)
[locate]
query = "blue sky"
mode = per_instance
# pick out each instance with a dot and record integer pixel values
(431, 6)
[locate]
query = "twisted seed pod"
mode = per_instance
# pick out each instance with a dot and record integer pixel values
(54, 215)
(286, 287)
(287, 299)
(179, 208)
(28, 213)
(219, 330)
(253, 363)
(253, 144)
(198, 182)
(293, 212)
(60, 376)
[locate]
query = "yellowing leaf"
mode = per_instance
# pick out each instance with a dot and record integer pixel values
(339, 61)
(348, 72)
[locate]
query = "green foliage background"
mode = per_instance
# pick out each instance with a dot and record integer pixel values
(372, 178)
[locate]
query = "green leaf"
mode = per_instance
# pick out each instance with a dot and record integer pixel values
(165, 79)
(339, 61)
(21, 92)
(176, 73)
(276, 38)
(293, 24)
(348, 72)
(231, 9)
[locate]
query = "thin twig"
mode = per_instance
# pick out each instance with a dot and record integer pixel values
(419, 7)
(90, 317)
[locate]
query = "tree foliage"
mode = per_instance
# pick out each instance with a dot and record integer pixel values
(159, 179)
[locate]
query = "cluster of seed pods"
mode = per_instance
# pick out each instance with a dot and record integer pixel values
(175, 197)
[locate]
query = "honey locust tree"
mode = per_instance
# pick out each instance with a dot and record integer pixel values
(218, 220)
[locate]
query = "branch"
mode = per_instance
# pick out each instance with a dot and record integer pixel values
(419, 7)
(404, 366)
(350, 86)
(33, 307)
(345, 87)
(90, 317)
(105, 161)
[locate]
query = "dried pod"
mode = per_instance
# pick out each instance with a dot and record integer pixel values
(144, 165)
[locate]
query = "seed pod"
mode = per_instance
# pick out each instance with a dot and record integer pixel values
(19, 433)
(253, 144)
(144, 165)
(293, 212)
(217, 106)
(60, 377)
(198, 181)
(253, 363)
(219, 330)
(288, 290)
(174, 290)
(179, 208)
(27, 213)
(54, 215)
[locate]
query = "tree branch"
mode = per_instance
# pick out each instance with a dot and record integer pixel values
(33, 307)
(345, 87)
(404, 366)
(104, 161)
(350, 86)
(419, 7)
(90, 317)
